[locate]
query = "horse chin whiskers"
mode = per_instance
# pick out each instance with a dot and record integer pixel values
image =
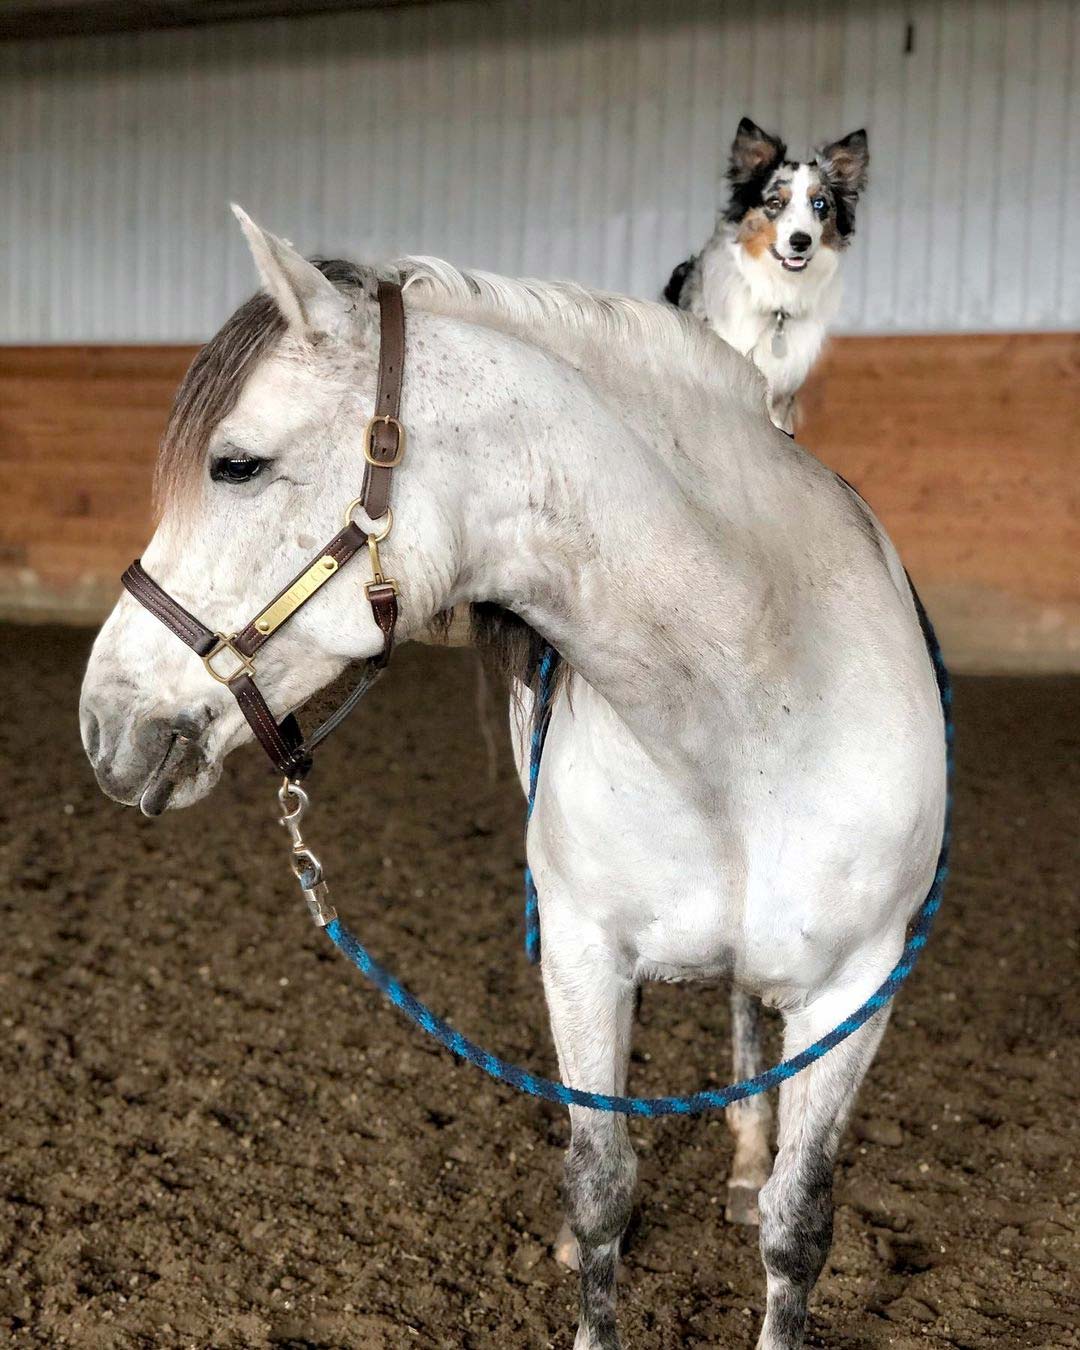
(178, 775)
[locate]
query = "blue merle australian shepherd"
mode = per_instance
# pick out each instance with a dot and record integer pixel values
(768, 280)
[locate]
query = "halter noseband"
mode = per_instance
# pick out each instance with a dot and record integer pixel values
(384, 446)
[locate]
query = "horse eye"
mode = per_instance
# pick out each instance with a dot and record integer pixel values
(241, 469)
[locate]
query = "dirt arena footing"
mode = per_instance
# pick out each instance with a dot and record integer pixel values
(214, 1134)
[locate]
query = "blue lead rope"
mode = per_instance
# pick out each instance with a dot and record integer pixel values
(711, 1098)
(549, 664)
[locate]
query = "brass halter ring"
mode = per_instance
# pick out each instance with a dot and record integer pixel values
(227, 644)
(375, 537)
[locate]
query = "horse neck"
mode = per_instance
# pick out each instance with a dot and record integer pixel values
(581, 518)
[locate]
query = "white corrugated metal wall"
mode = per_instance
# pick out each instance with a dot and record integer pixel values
(560, 138)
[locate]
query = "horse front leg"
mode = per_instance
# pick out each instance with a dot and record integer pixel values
(590, 998)
(796, 1202)
(751, 1119)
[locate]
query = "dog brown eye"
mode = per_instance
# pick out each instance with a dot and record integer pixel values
(240, 469)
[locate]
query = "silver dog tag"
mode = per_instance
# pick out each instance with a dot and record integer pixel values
(779, 341)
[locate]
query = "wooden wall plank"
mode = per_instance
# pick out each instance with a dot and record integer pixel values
(79, 428)
(967, 447)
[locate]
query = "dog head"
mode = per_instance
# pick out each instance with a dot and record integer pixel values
(788, 211)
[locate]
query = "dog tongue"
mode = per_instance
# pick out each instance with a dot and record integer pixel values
(794, 264)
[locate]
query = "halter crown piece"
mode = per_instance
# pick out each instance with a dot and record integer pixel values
(229, 659)
(384, 446)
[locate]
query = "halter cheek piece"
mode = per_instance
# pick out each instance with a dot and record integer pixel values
(230, 659)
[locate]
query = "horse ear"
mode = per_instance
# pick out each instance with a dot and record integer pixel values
(312, 306)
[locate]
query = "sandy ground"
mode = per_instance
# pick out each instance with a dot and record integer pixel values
(214, 1134)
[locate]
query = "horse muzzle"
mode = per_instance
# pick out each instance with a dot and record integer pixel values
(152, 763)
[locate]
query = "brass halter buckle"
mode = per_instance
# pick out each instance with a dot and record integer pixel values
(228, 644)
(369, 436)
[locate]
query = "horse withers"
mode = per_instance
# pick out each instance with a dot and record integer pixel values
(749, 779)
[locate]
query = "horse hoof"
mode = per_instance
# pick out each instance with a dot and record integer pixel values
(566, 1249)
(742, 1204)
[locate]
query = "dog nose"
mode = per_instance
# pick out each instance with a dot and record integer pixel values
(800, 242)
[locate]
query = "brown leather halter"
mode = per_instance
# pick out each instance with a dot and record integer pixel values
(384, 446)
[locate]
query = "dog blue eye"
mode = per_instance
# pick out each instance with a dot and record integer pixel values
(820, 205)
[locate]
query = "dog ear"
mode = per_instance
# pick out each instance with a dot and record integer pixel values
(753, 152)
(843, 165)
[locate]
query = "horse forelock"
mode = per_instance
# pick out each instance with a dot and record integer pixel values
(209, 391)
(216, 378)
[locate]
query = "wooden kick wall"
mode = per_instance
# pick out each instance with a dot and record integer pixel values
(967, 446)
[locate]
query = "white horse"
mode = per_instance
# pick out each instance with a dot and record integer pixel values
(749, 779)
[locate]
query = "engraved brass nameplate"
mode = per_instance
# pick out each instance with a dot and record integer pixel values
(275, 615)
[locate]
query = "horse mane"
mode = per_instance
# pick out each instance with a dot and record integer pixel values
(572, 319)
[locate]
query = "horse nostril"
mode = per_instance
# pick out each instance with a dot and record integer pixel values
(191, 725)
(800, 242)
